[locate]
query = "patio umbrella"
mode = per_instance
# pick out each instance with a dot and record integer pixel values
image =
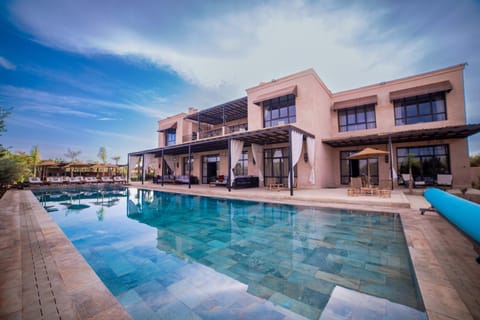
(366, 154)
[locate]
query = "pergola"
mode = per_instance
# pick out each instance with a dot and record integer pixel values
(266, 136)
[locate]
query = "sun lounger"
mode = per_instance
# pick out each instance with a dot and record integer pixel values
(35, 181)
(106, 179)
(54, 180)
(91, 180)
(119, 179)
(76, 180)
(444, 180)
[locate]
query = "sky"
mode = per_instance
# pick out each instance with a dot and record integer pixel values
(84, 74)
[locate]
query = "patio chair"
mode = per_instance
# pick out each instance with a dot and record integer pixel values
(106, 179)
(76, 180)
(120, 179)
(444, 180)
(54, 180)
(91, 180)
(385, 188)
(35, 181)
(406, 179)
(356, 186)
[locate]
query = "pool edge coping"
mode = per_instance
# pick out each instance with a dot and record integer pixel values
(454, 307)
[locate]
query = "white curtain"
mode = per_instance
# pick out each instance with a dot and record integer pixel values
(297, 142)
(236, 148)
(169, 161)
(257, 151)
(311, 158)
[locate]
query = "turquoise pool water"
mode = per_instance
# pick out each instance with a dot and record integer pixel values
(172, 256)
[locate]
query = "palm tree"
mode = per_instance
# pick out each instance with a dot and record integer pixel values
(116, 159)
(411, 162)
(35, 155)
(102, 154)
(71, 154)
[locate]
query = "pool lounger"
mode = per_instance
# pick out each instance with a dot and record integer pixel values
(463, 214)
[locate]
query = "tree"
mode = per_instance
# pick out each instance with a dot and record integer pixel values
(4, 113)
(35, 154)
(102, 154)
(71, 154)
(12, 170)
(116, 159)
(475, 160)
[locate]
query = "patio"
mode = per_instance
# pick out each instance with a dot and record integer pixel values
(40, 264)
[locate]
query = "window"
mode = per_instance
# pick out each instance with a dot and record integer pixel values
(241, 168)
(210, 166)
(357, 168)
(187, 166)
(170, 137)
(426, 162)
(424, 108)
(357, 118)
(276, 166)
(279, 111)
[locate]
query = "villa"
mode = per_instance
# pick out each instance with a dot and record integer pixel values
(297, 122)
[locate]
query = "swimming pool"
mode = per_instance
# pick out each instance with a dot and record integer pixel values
(166, 255)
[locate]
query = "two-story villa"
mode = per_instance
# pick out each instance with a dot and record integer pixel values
(296, 121)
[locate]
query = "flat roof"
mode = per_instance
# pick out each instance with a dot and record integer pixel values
(225, 112)
(452, 132)
(264, 136)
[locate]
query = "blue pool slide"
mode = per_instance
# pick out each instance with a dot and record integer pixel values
(464, 214)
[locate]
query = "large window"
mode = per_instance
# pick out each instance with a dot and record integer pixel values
(357, 118)
(170, 137)
(187, 166)
(279, 111)
(276, 166)
(241, 168)
(426, 162)
(350, 168)
(424, 108)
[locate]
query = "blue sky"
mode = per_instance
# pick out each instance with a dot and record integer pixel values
(86, 74)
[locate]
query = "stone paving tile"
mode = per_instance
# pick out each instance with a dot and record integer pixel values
(415, 241)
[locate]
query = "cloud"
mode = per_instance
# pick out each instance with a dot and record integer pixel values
(122, 136)
(4, 63)
(46, 103)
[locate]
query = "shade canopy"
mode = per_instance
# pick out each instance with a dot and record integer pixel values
(48, 163)
(368, 153)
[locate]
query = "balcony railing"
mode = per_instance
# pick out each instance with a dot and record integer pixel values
(215, 132)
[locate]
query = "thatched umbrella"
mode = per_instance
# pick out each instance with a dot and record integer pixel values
(366, 154)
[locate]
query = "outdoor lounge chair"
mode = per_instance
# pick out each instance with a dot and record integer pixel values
(119, 179)
(385, 188)
(35, 181)
(355, 188)
(444, 180)
(106, 179)
(91, 180)
(76, 180)
(54, 180)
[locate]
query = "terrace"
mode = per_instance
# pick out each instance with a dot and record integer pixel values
(39, 263)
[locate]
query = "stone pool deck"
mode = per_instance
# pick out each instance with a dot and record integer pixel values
(44, 277)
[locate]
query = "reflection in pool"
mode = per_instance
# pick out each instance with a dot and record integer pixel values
(166, 255)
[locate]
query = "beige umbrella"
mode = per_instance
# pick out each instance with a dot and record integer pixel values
(366, 154)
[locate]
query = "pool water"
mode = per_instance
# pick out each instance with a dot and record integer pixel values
(173, 256)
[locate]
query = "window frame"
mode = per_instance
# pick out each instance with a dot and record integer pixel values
(405, 106)
(241, 167)
(423, 157)
(169, 133)
(362, 109)
(273, 109)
